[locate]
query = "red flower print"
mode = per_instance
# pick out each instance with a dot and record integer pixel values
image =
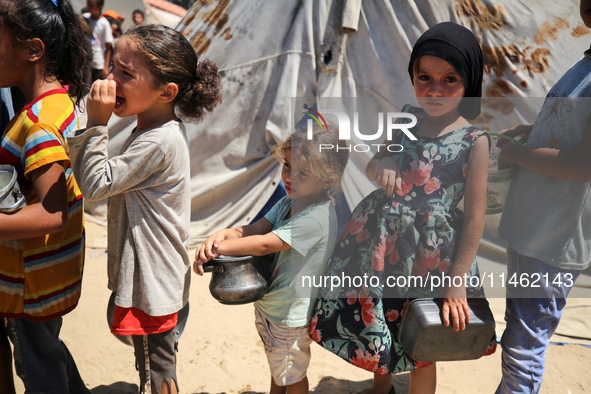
(314, 333)
(475, 134)
(392, 315)
(432, 185)
(417, 175)
(383, 370)
(445, 265)
(428, 260)
(404, 307)
(351, 297)
(492, 347)
(393, 257)
(406, 184)
(377, 261)
(422, 364)
(362, 236)
(367, 312)
(391, 251)
(367, 361)
(354, 225)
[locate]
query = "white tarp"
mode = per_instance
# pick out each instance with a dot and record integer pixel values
(271, 51)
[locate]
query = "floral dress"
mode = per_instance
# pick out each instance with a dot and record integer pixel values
(388, 240)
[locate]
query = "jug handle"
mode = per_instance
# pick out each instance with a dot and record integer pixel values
(213, 268)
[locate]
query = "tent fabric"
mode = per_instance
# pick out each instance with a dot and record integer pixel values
(163, 12)
(270, 52)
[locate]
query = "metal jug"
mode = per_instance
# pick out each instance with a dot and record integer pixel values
(11, 198)
(239, 279)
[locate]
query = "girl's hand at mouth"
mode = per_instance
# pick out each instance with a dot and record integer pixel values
(101, 102)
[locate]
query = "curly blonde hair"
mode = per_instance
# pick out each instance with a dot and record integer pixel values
(328, 165)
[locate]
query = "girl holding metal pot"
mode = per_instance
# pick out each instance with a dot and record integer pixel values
(302, 228)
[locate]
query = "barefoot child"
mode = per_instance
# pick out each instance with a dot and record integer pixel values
(302, 228)
(42, 46)
(410, 225)
(155, 73)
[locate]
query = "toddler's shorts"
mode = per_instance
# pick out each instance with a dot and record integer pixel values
(287, 349)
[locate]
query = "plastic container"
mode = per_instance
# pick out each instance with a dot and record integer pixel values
(11, 198)
(424, 337)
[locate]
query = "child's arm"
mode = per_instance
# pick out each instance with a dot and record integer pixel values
(521, 131)
(571, 164)
(255, 239)
(98, 176)
(254, 245)
(49, 215)
(455, 303)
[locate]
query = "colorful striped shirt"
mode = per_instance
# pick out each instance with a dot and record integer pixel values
(41, 277)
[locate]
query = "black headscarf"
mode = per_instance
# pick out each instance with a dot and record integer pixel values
(459, 47)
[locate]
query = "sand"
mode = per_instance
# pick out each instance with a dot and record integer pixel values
(220, 351)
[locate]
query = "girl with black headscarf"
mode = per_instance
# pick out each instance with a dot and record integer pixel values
(410, 229)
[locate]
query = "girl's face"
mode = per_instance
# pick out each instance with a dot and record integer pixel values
(438, 86)
(136, 91)
(299, 182)
(13, 59)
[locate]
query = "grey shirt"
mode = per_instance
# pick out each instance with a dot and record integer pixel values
(148, 187)
(549, 218)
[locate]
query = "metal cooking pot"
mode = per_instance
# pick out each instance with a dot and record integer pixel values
(11, 198)
(239, 279)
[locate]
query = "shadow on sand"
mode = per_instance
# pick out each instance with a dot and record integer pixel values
(330, 385)
(116, 388)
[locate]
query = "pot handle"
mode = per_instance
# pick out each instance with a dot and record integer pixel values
(213, 268)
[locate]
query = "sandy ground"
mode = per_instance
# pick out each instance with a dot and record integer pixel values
(220, 351)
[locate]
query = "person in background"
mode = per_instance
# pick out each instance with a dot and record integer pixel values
(115, 29)
(116, 22)
(101, 40)
(114, 15)
(138, 17)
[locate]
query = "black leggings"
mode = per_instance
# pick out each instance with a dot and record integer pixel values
(162, 357)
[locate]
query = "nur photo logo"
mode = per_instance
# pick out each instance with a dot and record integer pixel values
(388, 122)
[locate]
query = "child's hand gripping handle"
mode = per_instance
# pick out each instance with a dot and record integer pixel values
(206, 251)
(455, 306)
(101, 102)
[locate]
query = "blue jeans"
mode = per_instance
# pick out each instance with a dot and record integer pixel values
(42, 360)
(531, 321)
